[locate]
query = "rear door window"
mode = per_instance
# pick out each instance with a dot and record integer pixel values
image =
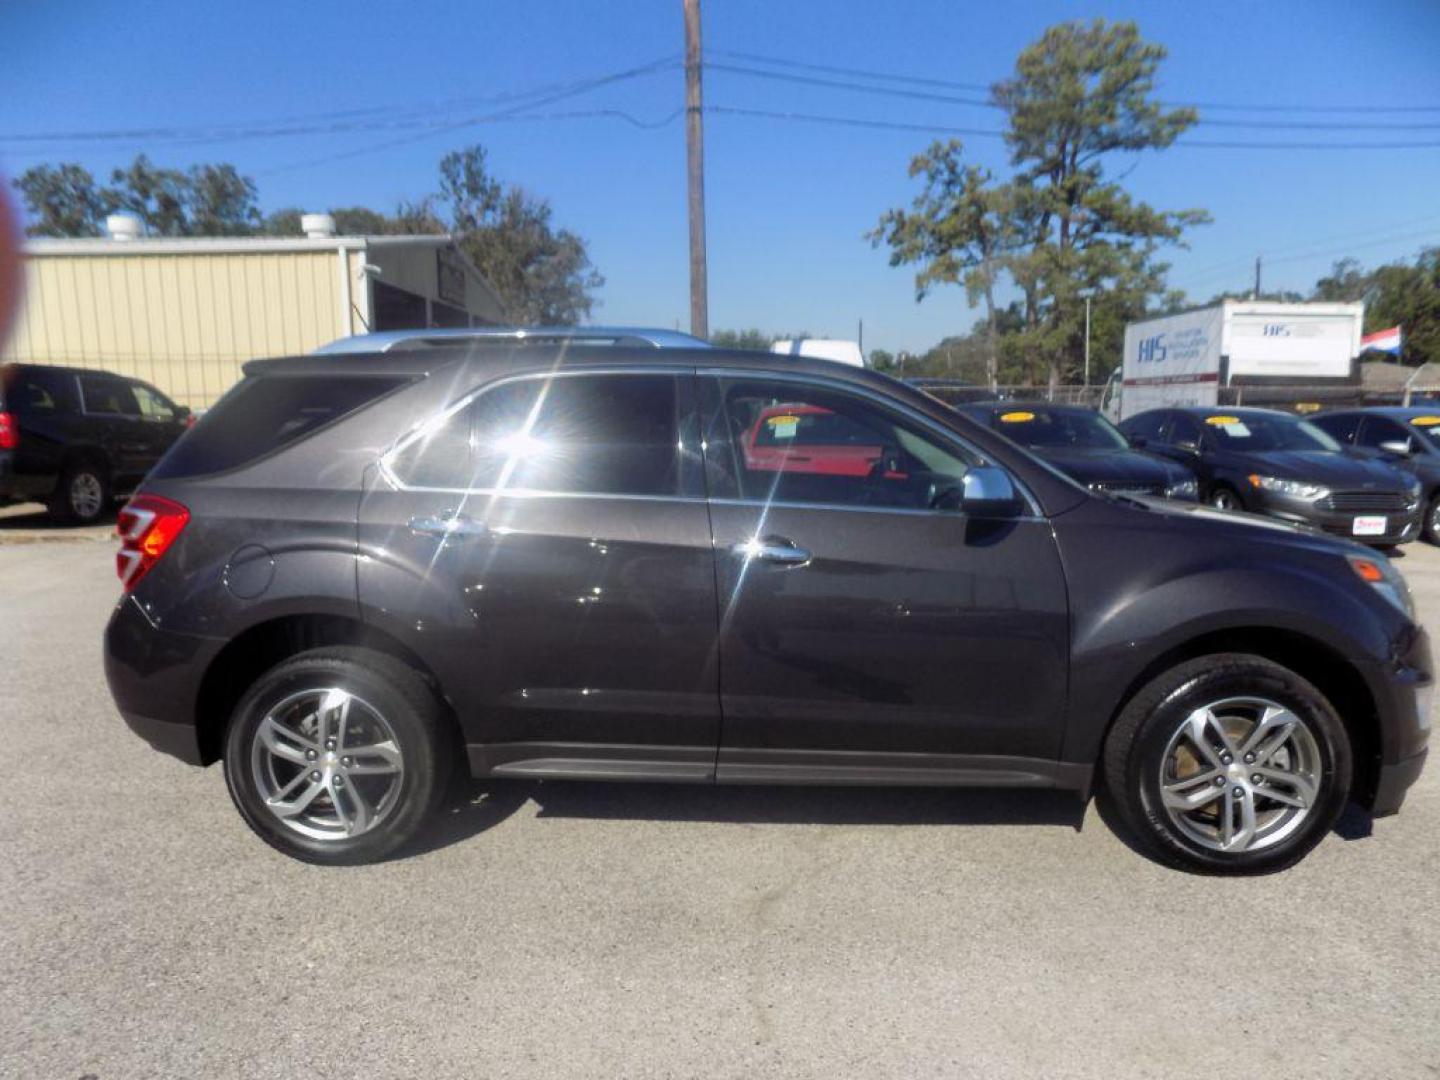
(265, 413)
(105, 395)
(603, 434)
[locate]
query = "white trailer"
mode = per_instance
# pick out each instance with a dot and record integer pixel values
(841, 351)
(1185, 359)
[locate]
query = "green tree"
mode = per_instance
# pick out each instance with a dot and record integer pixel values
(883, 360)
(1058, 228)
(1081, 95)
(1408, 296)
(958, 229)
(282, 222)
(221, 202)
(206, 200)
(754, 339)
(1347, 282)
(542, 273)
(62, 200)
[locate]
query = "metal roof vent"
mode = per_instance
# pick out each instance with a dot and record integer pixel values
(123, 227)
(317, 226)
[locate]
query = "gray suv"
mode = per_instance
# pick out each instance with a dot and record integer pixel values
(360, 573)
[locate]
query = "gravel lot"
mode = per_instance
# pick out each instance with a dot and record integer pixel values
(593, 930)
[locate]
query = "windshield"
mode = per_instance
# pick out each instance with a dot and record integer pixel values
(1077, 430)
(1253, 432)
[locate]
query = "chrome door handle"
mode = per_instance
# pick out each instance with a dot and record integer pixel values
(774, 549)
(449, 526)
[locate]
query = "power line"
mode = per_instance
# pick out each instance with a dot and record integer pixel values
(407, 117)
(514, 115)
(853, 121)
(1210, 270)
(838, 84)
(1237, 266)
(1226, 106)
(913, 80)
(926, 95)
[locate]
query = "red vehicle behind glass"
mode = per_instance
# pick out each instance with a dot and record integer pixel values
(812, 439)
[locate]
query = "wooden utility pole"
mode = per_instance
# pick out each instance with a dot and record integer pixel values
(695, 162)
(1256, 294)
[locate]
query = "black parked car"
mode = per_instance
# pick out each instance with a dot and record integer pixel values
(75, 439)
(1275, 463)
(1085, 447)
(359, 572)
(1407, 439)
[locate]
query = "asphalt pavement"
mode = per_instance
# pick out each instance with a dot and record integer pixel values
(590, 930)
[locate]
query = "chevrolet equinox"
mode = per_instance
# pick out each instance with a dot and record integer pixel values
(359, 572)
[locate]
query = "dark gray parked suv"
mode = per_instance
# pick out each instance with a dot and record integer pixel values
(357, 573)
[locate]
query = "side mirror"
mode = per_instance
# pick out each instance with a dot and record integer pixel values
(1139, 442)
(987, 490)
(1398, 447)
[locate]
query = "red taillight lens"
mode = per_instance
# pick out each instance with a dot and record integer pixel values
(147, 527)
(9, 431)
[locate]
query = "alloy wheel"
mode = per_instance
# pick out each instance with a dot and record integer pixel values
(87, 495)
(326, 764)
(1241, 774)
(1221, 499)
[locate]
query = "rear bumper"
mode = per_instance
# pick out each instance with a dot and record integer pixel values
(154, 677)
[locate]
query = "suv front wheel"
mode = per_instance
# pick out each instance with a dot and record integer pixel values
(336, 755)
(1229, 764)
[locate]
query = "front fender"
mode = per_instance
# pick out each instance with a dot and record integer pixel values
(1143, 587)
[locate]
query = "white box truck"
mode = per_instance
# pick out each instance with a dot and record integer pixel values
(842, 352)
(1185, 359)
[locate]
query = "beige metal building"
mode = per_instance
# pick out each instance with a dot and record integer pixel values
(186, 314)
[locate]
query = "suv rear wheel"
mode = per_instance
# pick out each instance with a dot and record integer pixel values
(336, 755)
(82, 495)
(1229, 764)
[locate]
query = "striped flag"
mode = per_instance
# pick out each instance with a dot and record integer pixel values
(1383, 340)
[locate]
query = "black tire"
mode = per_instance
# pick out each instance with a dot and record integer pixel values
(1136, 748)
(1222, 493)
(1430, 527)
(67, 504)
(407, 704)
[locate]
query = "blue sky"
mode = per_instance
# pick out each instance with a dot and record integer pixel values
(788, 202)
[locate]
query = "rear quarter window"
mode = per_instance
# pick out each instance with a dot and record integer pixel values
(263, 414)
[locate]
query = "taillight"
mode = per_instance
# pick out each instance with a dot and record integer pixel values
(9, 431)
(147, 527)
